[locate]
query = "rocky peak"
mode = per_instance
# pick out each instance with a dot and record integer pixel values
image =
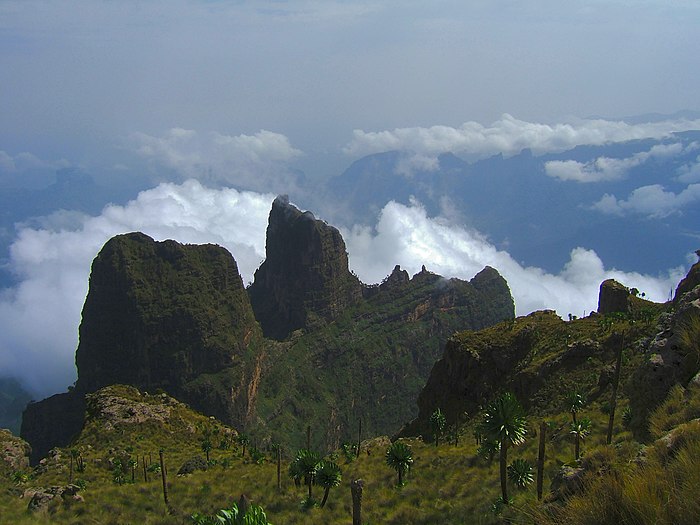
(613, 297)
(159, 314)
(396, 278)
(304, 280)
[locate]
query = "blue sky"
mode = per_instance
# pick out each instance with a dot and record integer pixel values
(196, 97)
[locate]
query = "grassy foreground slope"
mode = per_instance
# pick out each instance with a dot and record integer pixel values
(625, 482)
(648, 474)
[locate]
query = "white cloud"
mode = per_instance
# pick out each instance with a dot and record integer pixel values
(39, 316)
(690, 172)
(653, 201)
(608, 169)
(508, 136)
(257, 162)
(405, 235)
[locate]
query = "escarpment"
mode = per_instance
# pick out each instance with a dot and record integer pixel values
(163, 316)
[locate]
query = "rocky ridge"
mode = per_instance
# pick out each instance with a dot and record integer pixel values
(540, 356)
(162, 316)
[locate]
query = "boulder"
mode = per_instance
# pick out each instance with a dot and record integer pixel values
(613, 297)
(14, 453)
(41, 500)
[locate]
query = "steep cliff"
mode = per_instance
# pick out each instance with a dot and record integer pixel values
(373, 360)
(159, 315)
(672, 356)
(162, 315)
(304, 281)
(52, 422)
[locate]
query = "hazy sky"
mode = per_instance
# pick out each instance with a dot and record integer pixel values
(79, 77)
(245, 93)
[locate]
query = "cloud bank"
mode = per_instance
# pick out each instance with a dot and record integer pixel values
(508, 136)
(39, 316)
(405, 235)
(609, 169)
(652, 201)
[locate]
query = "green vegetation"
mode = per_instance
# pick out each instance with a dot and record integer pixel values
(400, 457)
(253, 515)
(328, 476)
(504, 423)
(437, 424)
(367, 363)
(562, 372)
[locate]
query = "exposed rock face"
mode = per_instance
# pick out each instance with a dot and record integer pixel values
(52, 422)
(14, 453)
(689, 282)
(159, 314)
(304, 280)
(613, 297)
(672, 359)
(397, 277)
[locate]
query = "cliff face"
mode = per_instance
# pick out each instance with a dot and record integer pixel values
(159, 314)
(672, 356)
(304, 281)
(52, 422)
(372, 362)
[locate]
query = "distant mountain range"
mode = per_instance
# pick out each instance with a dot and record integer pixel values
(537, 217)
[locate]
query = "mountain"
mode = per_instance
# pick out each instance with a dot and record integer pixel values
(162, 316)
(304, 279)
(371, 363)
(643, 478)
(536, 217)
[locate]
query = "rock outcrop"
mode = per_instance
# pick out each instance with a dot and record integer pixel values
(43, 499)
(159, 315)
(673, 355)
(14, 453)
(613, 297)
(304, 281)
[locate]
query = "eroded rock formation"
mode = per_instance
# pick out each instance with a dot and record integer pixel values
(304, 281)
